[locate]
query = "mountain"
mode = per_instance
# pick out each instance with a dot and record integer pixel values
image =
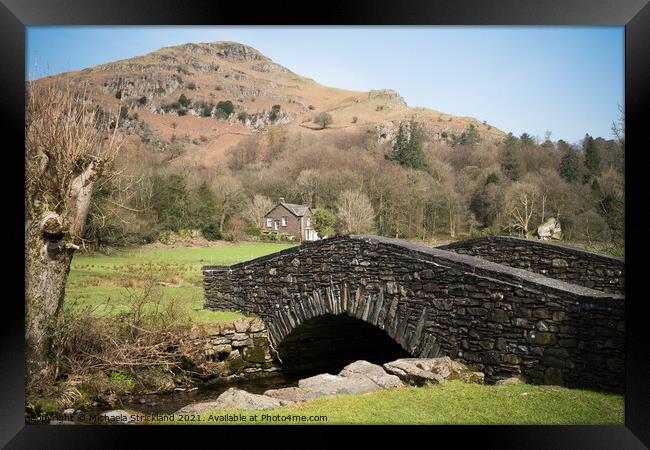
(264, 96)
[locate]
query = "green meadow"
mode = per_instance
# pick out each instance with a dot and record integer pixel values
(108, 283)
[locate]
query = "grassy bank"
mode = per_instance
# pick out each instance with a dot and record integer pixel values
(452, 402)
(108, 282)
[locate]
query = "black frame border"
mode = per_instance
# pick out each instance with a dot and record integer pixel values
(16, 15)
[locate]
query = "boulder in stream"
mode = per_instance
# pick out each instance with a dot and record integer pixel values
(234, 398)
(421, 371)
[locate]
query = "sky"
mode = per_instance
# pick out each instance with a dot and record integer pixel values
(566, 80)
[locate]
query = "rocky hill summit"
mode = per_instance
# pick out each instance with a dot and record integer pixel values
(217, 93)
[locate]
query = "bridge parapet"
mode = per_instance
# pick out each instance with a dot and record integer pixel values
(501, 320)
(594, 270)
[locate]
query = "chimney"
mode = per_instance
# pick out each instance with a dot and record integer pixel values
(281, 200)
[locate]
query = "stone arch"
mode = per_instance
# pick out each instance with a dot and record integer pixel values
(328, 342)
(383, 305)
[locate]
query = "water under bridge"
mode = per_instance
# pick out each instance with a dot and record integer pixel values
(506, 306)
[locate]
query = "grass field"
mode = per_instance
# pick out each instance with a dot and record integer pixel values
(453, 402)
(109, 282)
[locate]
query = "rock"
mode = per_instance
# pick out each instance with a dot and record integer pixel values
(410, 373)
(256, 325)
(222, 348)
(550, 229)
(327, 384)
(559, 263)
(420, 371)
(553, 375)
(234, 399)
(241, 325)
(68, 412)
(509, 381)
(241, 343)
(293, 394)
(255, 354)
(372, 372)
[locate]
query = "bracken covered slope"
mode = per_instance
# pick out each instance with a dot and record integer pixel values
(265, 95)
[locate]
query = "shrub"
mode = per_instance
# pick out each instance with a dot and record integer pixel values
(253, 231)
(227, 107)
(355, 119)
(121, 382)
(184, 101)
(205, 108)
(191, 85)
(324, 222)
(211, 231)
(101, 351)
(311, 107)
(275, 111)
(242, 116)
(142, 100)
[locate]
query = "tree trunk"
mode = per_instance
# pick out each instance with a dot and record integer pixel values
(47, 259)
(49, 248)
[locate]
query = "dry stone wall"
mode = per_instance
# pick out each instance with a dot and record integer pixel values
(602, 272)
(240, 349)
(497, 319)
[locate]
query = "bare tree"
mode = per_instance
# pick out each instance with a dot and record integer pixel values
(521, 203)
(355, 213)
(256, 208)
(68, 146)
(229, 198)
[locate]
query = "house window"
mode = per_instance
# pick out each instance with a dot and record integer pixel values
(284, 221)
(308, 221)
(269, 222)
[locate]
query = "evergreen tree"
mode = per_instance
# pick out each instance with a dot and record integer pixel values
(592, 156)
(184, 101)
(469, 137)
(527, 140)
(205, 205)
(511, 157)
(170, 201)
(569, 167)
(409, 151)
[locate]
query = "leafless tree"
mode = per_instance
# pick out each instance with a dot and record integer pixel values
(68, 146)
(355, 213)
(256, 208)
(521, 204)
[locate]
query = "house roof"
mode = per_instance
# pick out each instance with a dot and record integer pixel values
(296, 210)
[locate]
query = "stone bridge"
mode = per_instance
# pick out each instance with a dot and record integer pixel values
(368, 297)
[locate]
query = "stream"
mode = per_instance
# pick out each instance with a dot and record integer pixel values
(167, 403)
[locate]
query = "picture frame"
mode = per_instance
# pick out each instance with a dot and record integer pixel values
(16, 15)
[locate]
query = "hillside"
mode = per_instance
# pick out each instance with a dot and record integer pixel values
(264, 96)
